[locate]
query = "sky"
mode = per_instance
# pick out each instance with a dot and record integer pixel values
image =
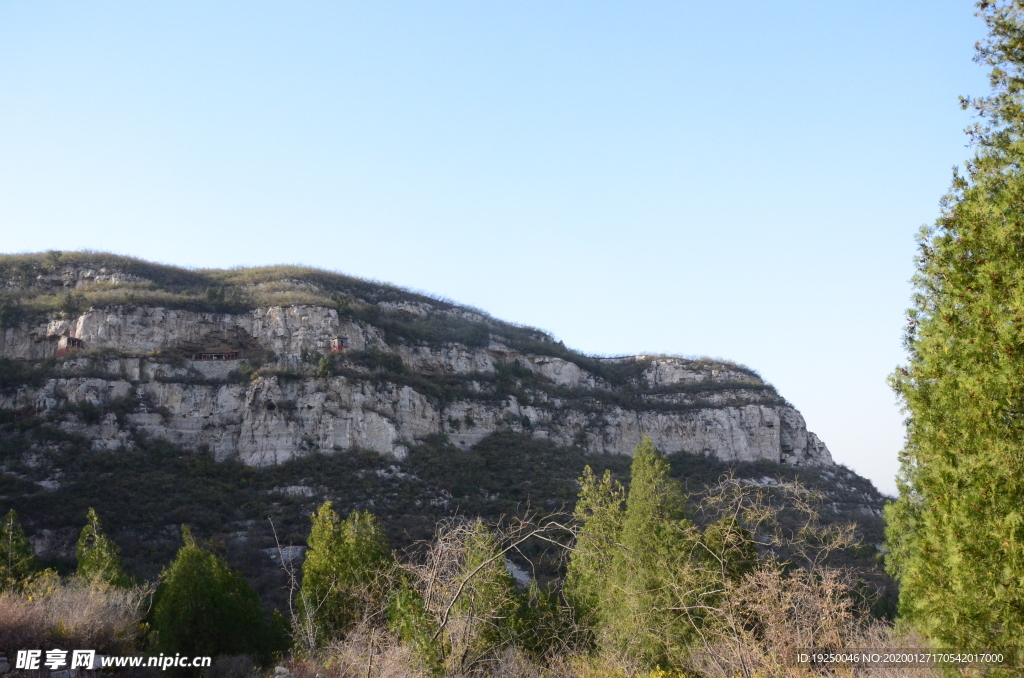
(741, 180)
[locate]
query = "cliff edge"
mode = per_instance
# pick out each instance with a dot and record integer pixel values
(267, 365)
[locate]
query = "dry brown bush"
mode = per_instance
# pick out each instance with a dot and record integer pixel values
(88, 615)
(769, 616)
(367, 651)
(21, 625)
(752, 627)
(371, 653)
(766, 619)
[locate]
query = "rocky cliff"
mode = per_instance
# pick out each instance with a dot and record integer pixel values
(161, 396)
(266, 384)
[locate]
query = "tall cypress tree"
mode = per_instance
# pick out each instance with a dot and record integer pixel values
(656, 544)
(957, 531)
(342, 566)
(635, 561)
(97, 554)
(203, 607)
(599, 514)
(17, 561)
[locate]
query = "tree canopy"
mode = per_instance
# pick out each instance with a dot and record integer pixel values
(203, 607)
(17, 561)
(339, 575)
(957, 530)
(97, 554)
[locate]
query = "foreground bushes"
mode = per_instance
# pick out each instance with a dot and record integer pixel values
(659, 584)
(203, 607)
(788, 611)
(786, 614)
(75, 613)
(96, 608)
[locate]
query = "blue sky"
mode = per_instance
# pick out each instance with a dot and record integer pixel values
(741, 180)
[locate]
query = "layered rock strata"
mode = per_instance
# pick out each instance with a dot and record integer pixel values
(293, 380)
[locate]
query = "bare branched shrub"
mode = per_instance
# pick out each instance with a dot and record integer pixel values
(768, 616)
(467, 592)
(771, 615)
(369, 652)
(511, 663)
(22, 623)
(782, 519)
(85, 614)
(748, 583)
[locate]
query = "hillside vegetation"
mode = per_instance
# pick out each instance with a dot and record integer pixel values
(494, 474)
(663, 578)
(957, 530)
(34, 288)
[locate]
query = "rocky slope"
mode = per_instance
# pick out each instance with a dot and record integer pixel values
(275, 389)
(161, 396)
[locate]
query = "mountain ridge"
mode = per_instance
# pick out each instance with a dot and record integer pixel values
(377, 375)
(430, 410)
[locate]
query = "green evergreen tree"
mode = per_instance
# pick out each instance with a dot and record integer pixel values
(641, 575)
(956, 533)
(409, 620)
(599, 515)
(487, 606)
(203, 607)
(651, 571)
(17, 561)
(341, 572)
(98, 555)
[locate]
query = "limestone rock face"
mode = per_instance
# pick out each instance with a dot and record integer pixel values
(292, 380)
(74, 277)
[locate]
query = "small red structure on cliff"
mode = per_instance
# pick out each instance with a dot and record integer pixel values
(65, 344)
